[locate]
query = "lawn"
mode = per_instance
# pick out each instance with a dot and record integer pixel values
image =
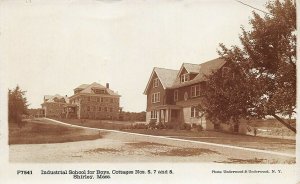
(272, 127)
(264, 143)
(37, 132)
(104, 124)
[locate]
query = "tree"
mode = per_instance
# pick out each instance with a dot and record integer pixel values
(17, 105)
(262, 77)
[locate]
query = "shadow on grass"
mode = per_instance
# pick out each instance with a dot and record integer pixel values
(41, 133)
(102, 150)
(144, 144)
(243, 161)
(186, 152)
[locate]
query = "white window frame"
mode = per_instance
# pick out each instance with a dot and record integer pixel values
(195, 91)
(176, 95)
(193, 112)
(184, 77)
(155, 97)
(155, 82)
(153, 114)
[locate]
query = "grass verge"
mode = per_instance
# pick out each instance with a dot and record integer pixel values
(185, 152)
(35, 132)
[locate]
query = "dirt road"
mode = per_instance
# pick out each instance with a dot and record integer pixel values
(118, 146)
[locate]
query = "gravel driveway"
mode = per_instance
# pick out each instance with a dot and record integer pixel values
(120, 147)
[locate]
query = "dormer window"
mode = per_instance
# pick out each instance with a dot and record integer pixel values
(155, 82)
(99, 91)
(184, 77)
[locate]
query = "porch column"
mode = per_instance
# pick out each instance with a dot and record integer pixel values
(159, 119)
(167, 115)
(170, 115)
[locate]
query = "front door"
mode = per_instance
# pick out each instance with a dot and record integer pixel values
(174, 115)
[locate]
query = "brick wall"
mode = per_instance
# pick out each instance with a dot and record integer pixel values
(92, 107)
(53, 109)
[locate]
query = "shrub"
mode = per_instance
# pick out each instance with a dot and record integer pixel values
(160, 125)
(185, 126)
(197, 127)
(169, 125)
(152, 125)
(139, 126)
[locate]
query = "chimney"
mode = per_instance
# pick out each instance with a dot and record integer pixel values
(107, 85)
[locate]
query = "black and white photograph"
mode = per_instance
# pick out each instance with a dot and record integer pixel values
(143, 91)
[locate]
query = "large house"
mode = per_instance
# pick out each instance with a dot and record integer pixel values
(90, 101)
(53, 105)
(93, 101)
(172, 95)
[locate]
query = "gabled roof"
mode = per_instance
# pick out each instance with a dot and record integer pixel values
(204, 69)
(89, 88)
(165, 76)
(51, 98)
(191, 68)
(82, 86)
(171, 78)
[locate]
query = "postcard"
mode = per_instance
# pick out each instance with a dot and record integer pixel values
(148, 91)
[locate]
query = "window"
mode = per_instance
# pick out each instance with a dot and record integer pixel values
(184, 77)
(105, 109)
(193, 112)
(155, 82)
(98, 91)
(98, 99)
(101, 99)
(154, 114)
(88, 108)
(155, 97)
(175, 95)
(99, 109)
(195, 91)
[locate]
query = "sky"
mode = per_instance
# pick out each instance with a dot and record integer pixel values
(51, 47)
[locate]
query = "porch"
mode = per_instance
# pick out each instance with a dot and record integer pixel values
(70, 111)
(167, 114)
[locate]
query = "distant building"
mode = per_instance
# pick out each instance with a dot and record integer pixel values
(39, 112)
(53, 106)
(173, 95)
(93, 101)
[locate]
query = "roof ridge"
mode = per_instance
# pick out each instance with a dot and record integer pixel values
(191, 63)
(212, 60)
(165, 68)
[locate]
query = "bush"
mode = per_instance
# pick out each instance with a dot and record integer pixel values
(160, 125)
(152, 125)
(185, 126)
(169, 125)
(139, 126)
(197, 127)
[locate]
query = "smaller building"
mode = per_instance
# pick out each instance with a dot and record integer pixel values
(53, 106)
(93, 101)
(39, 112)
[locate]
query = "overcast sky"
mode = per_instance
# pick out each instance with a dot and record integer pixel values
(51, 47)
